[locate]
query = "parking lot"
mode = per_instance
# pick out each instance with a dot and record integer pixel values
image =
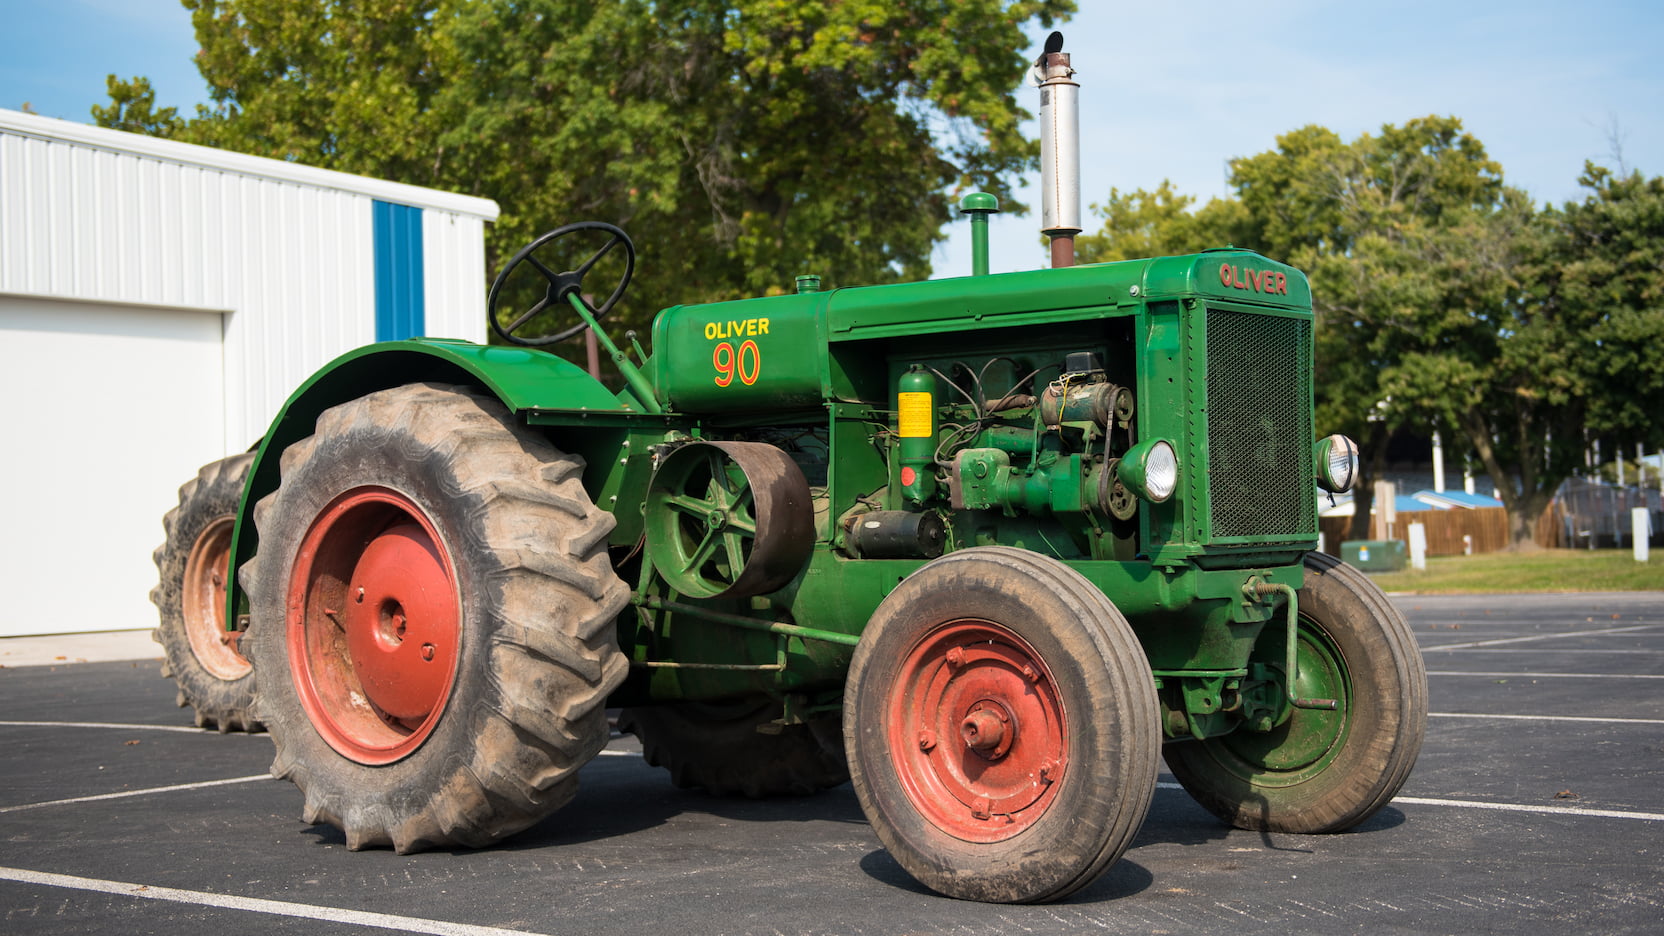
(1537, 807)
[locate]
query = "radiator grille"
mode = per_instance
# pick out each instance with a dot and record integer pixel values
(1259, 426)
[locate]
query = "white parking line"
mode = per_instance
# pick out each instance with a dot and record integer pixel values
(126, 793)
(1548, 675)
(115, 725)
(1561, 650)
(1533, 637)
(402, 924)
(177, 787)
(1506, 807)
(179, 728)
(1532, 808)
(1566, 718)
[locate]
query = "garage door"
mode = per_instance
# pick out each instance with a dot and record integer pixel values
(104, 412)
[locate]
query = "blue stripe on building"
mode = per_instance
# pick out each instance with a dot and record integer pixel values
(400, 303)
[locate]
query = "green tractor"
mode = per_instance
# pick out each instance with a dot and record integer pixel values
(988, 547)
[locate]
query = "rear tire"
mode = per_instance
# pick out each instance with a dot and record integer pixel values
(717, 747)
(433, 621)
(193, 567)
(1322, 771)
(1003, 727)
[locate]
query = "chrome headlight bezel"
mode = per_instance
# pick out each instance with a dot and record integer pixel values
(1337, 463)
(1151, 470)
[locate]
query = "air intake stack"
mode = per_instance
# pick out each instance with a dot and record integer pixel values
(1059, 150)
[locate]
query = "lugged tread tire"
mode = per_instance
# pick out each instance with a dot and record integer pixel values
(719, 749)
(537, 648)
(1105, 699)
(215, 690)
(1386, 721)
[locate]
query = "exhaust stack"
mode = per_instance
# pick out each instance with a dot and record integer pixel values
(1059, 150)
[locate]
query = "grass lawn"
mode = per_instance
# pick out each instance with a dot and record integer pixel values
(1551, 570)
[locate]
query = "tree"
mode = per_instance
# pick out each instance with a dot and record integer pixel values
(1445, 299)
(1161, 223)
(133, 108)
(1557, 335)
(739, 143)
(1340, 211)
(1604, 265)
(1474, 350)
(1353, 216)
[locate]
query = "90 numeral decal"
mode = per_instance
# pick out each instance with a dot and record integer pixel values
(748, 375)
(723, 358)
(745, 364)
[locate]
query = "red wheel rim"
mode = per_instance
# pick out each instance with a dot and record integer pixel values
(977, 731)
(203, 603)
(373, 625)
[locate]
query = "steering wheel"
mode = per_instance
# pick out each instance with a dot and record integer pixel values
(562, 284)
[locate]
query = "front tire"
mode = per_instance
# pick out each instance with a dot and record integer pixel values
(433, 621)
(1322, 771)
(193, 566)
(1003, 727)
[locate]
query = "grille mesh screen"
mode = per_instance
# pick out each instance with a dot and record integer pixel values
(1259, 426)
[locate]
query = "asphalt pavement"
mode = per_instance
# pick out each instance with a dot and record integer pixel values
(1537, 807)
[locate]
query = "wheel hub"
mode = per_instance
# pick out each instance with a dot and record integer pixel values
(985, 729)
(401, 634)
(374, 627)
(1304, 744)
(203, 603)
(978, 682)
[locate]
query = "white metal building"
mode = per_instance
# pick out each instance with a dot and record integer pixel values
(158, 302)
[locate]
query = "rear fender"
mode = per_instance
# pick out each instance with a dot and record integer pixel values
(522, 379)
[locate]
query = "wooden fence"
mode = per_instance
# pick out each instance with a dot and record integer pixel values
(1449, 532)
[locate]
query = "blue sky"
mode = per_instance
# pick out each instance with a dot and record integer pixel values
(1168, 90)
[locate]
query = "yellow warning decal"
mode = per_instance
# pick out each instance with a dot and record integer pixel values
(916, 415)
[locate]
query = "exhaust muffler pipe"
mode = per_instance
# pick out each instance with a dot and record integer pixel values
(1059, 150)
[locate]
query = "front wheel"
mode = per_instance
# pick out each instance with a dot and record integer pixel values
(433, 621)
(1002, 726)
(1322, 771)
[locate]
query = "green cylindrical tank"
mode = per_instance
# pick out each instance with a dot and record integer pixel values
(746, 355)
(916, 429)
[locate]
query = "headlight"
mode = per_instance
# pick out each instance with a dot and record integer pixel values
(1151, 470)
(1337, 464)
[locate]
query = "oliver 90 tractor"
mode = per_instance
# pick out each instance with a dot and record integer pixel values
(987, 547)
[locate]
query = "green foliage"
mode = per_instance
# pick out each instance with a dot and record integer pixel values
(739, 143)
(1358, 217)
(1158, 224)
(341, 85)
(1540, 330)
(133, 108)
(1603, 265)
(1445, 299)
(1472, 351)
